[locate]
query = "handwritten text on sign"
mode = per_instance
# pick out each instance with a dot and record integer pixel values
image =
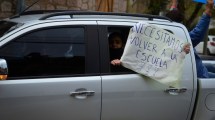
(154, 52)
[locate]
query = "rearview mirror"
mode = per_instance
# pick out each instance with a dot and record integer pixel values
(3, 69)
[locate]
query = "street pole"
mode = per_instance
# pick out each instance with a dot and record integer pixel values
(20, 6)
(205, 43)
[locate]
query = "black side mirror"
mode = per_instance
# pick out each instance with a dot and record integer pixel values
(3, 69)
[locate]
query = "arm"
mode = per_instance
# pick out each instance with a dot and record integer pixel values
(116, 62)
(197, 34)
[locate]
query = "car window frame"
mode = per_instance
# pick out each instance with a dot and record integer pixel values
(91, 52)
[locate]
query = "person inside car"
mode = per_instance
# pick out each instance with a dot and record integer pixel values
(116, 47)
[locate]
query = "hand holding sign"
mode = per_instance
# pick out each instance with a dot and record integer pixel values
(155, 53)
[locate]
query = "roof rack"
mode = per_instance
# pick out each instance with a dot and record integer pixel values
(150, 17)
(31, 12)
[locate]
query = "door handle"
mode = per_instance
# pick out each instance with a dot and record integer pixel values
(175, 91)
(82, 93)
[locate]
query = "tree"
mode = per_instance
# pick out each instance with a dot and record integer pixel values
(104, 5)
(156, 6)
(192, 17)
(146, 6)
(190, 9)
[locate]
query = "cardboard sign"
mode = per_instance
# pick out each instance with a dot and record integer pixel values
(154, 52)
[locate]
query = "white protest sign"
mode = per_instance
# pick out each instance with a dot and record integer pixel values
(154, 52)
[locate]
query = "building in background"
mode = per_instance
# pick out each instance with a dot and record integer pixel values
(9, 7)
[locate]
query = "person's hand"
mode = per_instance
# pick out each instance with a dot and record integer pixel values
(209, 7)
(186, 48)
(116, 62)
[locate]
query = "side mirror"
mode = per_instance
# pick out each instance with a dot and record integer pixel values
(3, 69)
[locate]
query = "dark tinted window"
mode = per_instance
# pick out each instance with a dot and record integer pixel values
(54, 51)
(6, 27)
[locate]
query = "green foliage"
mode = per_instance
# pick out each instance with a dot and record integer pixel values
(191, 10)
(155, 6)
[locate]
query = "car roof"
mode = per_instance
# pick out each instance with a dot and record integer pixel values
(38, 16)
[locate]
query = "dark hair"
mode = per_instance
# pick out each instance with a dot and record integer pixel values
(175, 15)
(115, 34)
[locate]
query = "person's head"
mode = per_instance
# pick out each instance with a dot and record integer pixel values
(115, 40)
(175, 15)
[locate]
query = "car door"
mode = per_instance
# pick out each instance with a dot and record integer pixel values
(131, 96)
(51, 75)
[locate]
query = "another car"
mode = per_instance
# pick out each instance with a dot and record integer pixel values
(210, 46)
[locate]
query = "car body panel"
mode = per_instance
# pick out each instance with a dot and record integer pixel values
(117, 96)
(205, 101)
(132, 96)
(49, 99)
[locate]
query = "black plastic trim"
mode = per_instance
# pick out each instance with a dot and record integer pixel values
(150, 17)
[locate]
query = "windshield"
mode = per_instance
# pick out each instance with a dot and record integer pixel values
(7, 26)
